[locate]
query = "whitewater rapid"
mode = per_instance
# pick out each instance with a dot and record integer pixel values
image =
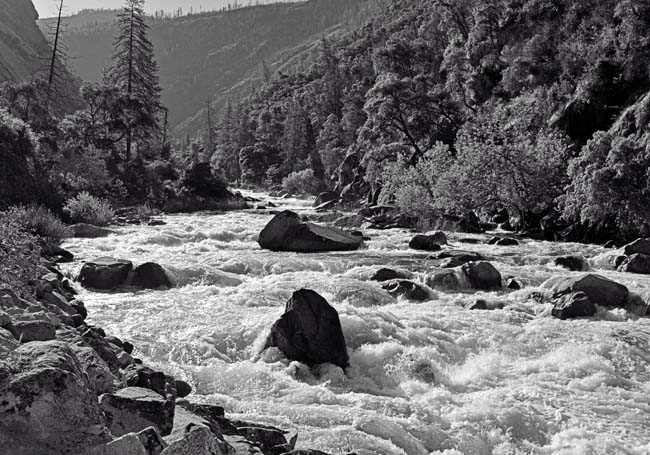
(424, 378)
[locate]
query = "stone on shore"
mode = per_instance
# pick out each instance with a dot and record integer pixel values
(134, 408)
(150, 276)
(192, 435)
(286, 232)
(35, 330)
(600, 290)
(47, 405)
(104, 273)
(310, 331)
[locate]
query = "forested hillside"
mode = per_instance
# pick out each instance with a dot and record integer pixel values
(23, 48)
(538, 107)
(205, 57)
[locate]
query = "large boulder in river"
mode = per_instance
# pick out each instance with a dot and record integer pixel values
(104, 273)
(639, 246)
(286, 232)
(150, 276)
(636, 263)
(573, 263)
(310, 331)
(47, 405)
(573, 305)
(600, 290)
(428, 242)
(479, 275)
(408, 289)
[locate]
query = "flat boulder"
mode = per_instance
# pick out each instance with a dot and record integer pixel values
(47, 405)
(636, 263)
(287, 232)
(134, 408)
(104, 273)
(408, 289)
(310, 331)
(600, 290)
(87, 231)
(573, 305)
(573, 263)
(150, 276)
(639, 246)
(35, 330)
(429, 242)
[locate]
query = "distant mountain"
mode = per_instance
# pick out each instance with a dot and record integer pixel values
(23, 49)
(211, 57)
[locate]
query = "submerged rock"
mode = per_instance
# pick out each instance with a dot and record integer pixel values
(310, 331)
(407, 289)
(600, 290)
(636, 263)
(286, 232)
(573, 305)
(47, 405)
(87, 231)
(573, 263)
(104, 273)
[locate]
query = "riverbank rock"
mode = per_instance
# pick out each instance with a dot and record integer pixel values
(600, 290)
(47, 405)
(573, 305)
(286, 232)
(407, 289)
(310, 331)
(636, 263)
(35, 330)
(150, 276)
(192, 435)
(104, 273)
(134, 408)
(573, 263)
(479, 275)
(87, 231)
(429, 242)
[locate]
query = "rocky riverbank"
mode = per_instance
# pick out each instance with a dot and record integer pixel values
(68, 387)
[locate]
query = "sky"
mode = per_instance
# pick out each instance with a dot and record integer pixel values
(47, 8)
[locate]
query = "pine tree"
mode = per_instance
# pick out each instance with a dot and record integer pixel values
(135, 73)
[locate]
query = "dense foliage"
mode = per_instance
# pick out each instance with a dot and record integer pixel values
(470, 105)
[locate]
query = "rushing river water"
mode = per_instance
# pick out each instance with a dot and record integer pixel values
(424, 378)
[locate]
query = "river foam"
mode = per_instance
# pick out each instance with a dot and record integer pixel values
(424, 378)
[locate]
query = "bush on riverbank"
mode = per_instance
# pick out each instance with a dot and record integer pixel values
(19, 256)
(85, 208)
(39, 221)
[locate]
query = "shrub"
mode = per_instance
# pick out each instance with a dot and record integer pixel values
(302, 182)
(39, 221)
(146, 210)
(19, 257)
(200, 180)
(89, 209)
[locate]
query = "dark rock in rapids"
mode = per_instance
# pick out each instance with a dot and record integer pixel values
(573, 305)
(150, 276)
(390, 274)
(430, 242)
(104, 273)
(573, 263)
(310, 331)
(636, 263)
(286, 232)
(407, 289)
(600, 290)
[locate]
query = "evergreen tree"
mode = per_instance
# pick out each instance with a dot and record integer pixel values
(135, 73)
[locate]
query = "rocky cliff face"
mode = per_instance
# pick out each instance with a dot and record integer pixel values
(23, 48)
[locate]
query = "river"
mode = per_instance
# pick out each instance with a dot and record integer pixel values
(424, 378)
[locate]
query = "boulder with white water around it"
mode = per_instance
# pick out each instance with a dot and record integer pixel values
(573, 305)
(47, 405)
(639, 246)
(390, 274)
(479, 275)
(310, 331)
(104, 273)
(636, 263)
(87, 231)
(573, 263)
(150, 276)
(429, 242)
(134, 408)
(456, 258)
(286, 232)
(600, 290)
(408, 289)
